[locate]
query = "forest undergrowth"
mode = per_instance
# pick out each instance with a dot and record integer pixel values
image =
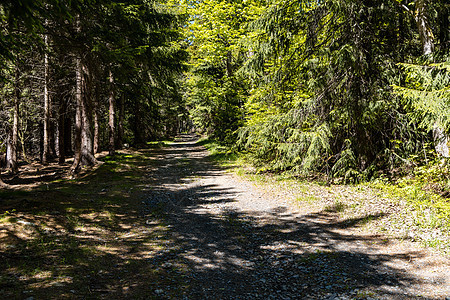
(413, 207)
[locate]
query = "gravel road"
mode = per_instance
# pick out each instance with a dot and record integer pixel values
(235, 239)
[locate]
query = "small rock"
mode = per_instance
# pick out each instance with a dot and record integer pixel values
(331, 297)
(159, 292)
(58, 284)
(25, 223)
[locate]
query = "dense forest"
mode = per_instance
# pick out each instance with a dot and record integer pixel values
(348, 89)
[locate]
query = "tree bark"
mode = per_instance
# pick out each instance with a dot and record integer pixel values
(46, 146)
(11, 149)
(87, 145)
(68, 121)
(112, 145)
(425, 33)
(78, 125)
(137, 123)
(83, 116)
(62, 131)
(21, 138)
(96, 120)
(96, 131)
(120, 123)
(444, 27)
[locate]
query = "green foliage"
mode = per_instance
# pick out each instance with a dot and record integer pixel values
(283, 142)
(215, 90)
(426, 194)
(427, 92)
(321, 99)
(138, 41)
(218, 153)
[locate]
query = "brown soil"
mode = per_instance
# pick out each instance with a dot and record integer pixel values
(169, 224)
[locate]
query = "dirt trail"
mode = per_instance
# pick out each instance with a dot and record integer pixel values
(234, 240)
(169, 224)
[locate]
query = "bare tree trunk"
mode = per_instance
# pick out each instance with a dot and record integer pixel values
(96, 131)
(87, 145)
(2, 164)
(83, 116)
(11, 152)
(68, 134)
(444, 25)
(61, 131)
(96, 119)
(137, 123)
(78, 125)
(11, 149)
(52, 135)
(425, 33)
(120, 124)
(46, 148)
(112, 145)
(21, 137)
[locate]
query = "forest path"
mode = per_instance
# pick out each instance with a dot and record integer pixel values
(167, 223)
(237, 240)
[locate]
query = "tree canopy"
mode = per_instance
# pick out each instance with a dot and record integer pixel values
(343, 88)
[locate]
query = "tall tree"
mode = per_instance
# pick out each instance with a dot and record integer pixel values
(47, 106)
(111, 123)
(323, 100)
(11, 152)
(216, 91)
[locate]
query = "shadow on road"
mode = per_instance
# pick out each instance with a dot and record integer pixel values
(139, 228)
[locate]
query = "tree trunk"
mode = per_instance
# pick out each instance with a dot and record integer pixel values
(68, 121)
(83, 134)
(96, 131)
(96, 119)
(52, 135)
(120, 124)
(46, 146)
(425, 33)
(112, 145)
(137, 123)
(440, 141)
(61, 131)
(11, 149)
(87, 145)
(78, 125)
(444, 27)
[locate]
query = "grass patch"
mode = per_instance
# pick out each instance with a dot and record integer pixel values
(426, 213)
(82, 237)
(338, 206)
(431, 210)
(310, 199)
(158, 144)
(414, 208)
(218, 153)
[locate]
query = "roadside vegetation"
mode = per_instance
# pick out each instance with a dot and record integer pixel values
(415, 206)
(84, 237)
